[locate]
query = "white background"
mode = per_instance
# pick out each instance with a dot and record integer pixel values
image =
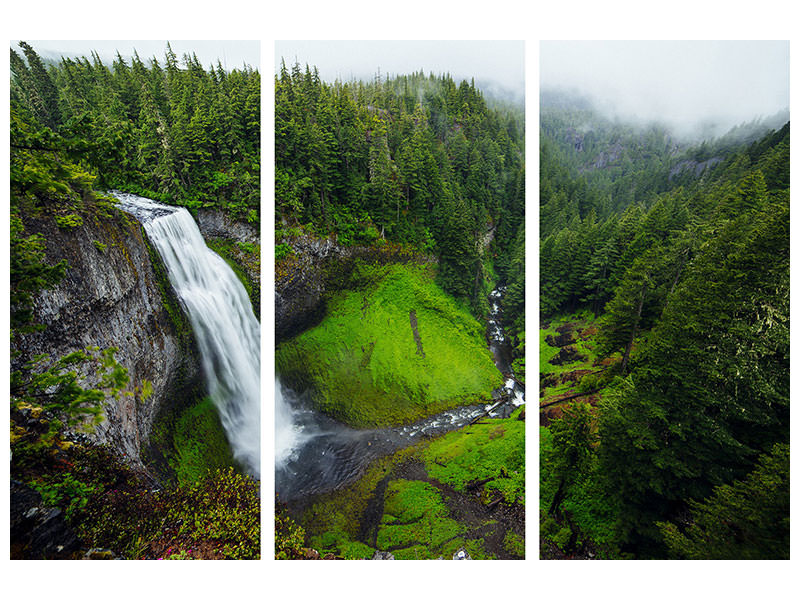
(398, 20)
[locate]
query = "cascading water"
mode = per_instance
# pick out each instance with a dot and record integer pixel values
(501, 351)
(227, 332)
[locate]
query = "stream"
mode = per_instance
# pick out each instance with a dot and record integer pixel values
(316, 454)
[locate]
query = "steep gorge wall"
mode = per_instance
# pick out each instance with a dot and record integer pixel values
(116, 294)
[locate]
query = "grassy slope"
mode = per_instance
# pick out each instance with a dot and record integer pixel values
(362, 361)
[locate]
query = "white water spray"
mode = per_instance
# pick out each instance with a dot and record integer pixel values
(227, 332)
(289, 434)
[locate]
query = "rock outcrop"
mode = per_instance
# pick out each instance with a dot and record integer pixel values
(38, 531)
(115, 294)
(215, 225)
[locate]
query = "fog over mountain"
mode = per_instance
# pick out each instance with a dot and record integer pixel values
(231, 54)
(696, 88)
(496, 66)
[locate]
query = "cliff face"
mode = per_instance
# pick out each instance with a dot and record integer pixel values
(115, 294)
(237, 242)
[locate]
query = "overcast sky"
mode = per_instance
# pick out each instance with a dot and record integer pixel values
(681, 83)
(232, 54)
(501, 62)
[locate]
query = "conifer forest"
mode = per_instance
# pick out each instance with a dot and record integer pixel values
(664, 337)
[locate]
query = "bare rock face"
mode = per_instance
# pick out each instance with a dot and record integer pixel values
(214, 224)
(300, 284)
(115, 294)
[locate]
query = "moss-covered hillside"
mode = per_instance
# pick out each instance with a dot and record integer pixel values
(391, 350)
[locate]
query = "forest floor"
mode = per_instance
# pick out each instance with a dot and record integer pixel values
(569, 365)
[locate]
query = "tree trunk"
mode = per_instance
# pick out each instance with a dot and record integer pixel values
(558, 498)
(633, 330)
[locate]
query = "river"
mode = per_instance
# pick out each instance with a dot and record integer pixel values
(315, 454)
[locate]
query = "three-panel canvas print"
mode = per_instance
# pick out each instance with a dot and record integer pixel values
(392, 295)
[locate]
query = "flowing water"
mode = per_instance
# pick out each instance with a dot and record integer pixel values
(227, 332)
(315, 454)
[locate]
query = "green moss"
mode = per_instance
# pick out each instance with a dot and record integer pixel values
(200, 443)
(414, 520)
(69, 221)
(337, 543)
(415, 516)
(169, 300)
(363, 364)
(584, 345)
(514, 544)
(493, 450)
(340, 511)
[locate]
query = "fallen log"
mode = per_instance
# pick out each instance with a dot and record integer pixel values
(572, 397)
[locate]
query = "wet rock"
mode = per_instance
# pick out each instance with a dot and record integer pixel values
(310, 554)
(38, 531)
(99, 554)
(379, 555)
(214, 224)
(561, 340)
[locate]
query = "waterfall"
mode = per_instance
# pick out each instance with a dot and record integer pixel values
(290, 434)
(227, 332)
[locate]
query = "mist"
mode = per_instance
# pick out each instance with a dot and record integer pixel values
(230, 54)
(496, 66)
(693, 88)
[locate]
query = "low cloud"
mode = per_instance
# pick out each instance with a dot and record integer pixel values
(689, 86)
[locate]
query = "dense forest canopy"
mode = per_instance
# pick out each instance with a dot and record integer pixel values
(415, 159)
(173, 130)
(681, 254)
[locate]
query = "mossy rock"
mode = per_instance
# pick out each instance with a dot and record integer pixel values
(493, 451)
(395, 351)
(415, 503)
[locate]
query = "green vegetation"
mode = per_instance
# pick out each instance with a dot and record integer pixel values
(184, 136)
(494, 451)
(748, 519)
(58, 387)
(200, 444)
(421, 516)
(424, 181)
(687, 273)
(172, 131)
(365, 366)
(419, 160)
(110, 506)
(414, 511)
